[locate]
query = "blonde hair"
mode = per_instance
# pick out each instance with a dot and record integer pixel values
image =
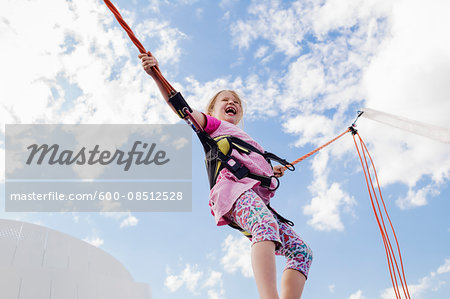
(210, 106)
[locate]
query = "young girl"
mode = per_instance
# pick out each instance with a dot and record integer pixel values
(244, 202)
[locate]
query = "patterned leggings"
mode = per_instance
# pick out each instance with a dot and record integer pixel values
(251, 214)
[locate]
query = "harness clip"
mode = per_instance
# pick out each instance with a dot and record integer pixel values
(353, 130)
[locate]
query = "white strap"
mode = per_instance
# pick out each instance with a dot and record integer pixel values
(413, 126)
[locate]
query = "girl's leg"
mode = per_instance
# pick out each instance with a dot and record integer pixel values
(264, 269)
(299, 257)
(251, 214)
(292, 283)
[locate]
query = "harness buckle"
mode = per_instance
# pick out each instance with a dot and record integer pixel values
(233, 165)
(241, 172)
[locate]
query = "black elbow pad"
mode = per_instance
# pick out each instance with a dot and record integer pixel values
(179, 104)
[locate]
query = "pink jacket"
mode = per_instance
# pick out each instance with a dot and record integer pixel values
(228, 188)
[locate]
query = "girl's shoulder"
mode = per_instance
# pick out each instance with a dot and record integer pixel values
(212, 124)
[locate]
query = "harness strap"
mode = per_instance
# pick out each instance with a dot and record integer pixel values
(240, 171)
(244, 232)
(217, 158)
(267, 155)
(281, 218)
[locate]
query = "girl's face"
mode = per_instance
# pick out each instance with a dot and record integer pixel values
(227, 107)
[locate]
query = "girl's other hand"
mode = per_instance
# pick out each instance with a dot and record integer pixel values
(278, 171)
(148, 62)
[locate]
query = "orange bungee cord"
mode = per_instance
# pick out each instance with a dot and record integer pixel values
(169, 89)
(174, 96)
(318, 149)
(392, 255)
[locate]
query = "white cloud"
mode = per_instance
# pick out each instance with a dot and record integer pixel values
(129, 221)
(126, 219)
(261, 52)
(417, 198)
(269, 21)
(173, 283)
(168, 50)
(427, 284)
(311, 128)
(83, 69)
(189, 277)
(445, 268)
(237, 255)
(357, 295)
(196, 281)
(95, 241)
(214, 284)
(338, 14)
(328, 201)
(213, 279)
(227, 3)
(312, 81)
(214, 294)
(412, 72)
(409, 79)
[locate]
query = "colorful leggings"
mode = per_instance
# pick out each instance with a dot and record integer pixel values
(251, 214)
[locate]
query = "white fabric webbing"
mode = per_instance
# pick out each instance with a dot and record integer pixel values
(413, 126)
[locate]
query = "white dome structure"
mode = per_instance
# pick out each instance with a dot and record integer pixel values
(40, 263)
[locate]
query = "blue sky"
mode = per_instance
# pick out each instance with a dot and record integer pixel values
(303, 68)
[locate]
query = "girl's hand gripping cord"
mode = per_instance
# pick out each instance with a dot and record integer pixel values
(175, 100)
(148, 62)
(278, 171)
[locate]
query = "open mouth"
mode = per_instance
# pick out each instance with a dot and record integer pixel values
(230, 111)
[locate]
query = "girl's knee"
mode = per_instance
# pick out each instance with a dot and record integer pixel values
(299, 258)
(302, 251)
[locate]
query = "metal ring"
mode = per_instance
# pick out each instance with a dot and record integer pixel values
(278, 183)
(290, 167)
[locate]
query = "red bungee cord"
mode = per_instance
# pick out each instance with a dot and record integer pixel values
(393, 265)
(394, 270)
(169, 89)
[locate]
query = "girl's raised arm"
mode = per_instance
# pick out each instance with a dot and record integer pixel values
(147, 63)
